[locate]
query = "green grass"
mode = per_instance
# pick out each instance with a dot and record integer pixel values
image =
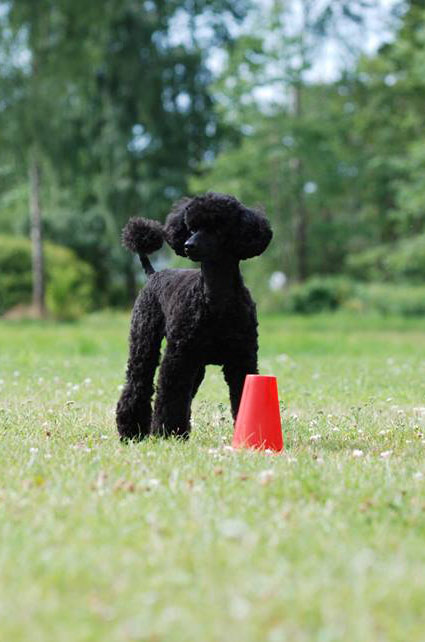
(168, 541)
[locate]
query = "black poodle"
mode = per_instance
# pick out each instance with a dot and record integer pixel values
(206, 315)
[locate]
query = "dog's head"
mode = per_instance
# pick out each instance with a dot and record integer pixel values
(215, 226)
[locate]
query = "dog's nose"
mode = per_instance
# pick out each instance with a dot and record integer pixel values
(189, 245)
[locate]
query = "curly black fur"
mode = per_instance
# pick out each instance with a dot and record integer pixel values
(142, 236)
(207, 315)
(176, 231)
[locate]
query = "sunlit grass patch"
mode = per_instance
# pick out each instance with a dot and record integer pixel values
(166, 540)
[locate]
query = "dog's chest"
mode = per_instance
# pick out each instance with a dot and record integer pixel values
(223, 335)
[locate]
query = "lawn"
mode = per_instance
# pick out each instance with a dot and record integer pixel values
(192, 541)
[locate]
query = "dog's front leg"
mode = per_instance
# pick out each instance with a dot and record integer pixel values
(178, 375)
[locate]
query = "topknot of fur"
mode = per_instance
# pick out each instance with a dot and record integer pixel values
(212, 208)
(143, 236)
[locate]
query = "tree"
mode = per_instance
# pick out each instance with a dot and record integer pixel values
(300, 159)
(123, 111)
(33, 48)
(26, 137)
(390, 122)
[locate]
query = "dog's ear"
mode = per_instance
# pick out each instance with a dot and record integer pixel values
(175, 229)
(254, 234)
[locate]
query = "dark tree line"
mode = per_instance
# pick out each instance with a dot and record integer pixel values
(110, 108)
(107, 108)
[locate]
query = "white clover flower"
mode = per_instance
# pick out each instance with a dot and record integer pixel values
(232, 528)
(265, 476)
(357, 453)
(282, 357)
(239, 608)
(315, 437)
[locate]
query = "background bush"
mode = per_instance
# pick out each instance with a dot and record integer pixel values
(318, 294)
(69, 281)
(399, 262)
(385, 298)
(322, 294)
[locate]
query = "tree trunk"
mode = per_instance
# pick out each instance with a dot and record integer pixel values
(301, 218)
(38, 289)
(301, 237)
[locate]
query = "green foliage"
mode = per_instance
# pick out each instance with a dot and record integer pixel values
(324, 294)
(69, 281)
(389, 122)
(115, 99)
(340, 169)
(338, 164)
(388, 299)
(296, 157)
(318, 294)
(369, 265)
(402, 261)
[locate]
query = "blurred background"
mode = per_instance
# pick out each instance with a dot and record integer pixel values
(314, 109)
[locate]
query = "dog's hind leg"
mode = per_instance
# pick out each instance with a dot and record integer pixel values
(147, 329)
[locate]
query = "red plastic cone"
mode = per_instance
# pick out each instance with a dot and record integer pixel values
(258, 422)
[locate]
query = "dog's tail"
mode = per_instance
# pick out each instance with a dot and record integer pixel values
(143, 237)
